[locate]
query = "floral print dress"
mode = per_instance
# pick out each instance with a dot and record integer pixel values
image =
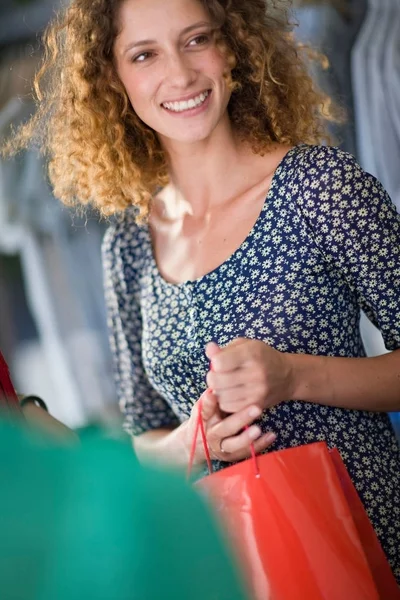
(325, 245)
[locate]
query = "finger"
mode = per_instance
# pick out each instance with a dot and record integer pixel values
(237, 342)
(231, 358)
(266, 440)
(261, 444)
(245, 451)
(241, 443)
(209, 405)
(212, 349)
(220, 382)
(243, 402)
(207, 400)
(234, 424)
(233, 401)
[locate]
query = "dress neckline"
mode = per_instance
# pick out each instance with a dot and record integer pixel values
(213, 273)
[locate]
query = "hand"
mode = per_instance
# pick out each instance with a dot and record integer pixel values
(248, 373)
(226, 437)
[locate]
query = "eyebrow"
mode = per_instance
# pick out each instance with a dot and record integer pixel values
(149, 42)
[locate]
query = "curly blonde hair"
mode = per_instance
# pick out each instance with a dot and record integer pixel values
(100, 153)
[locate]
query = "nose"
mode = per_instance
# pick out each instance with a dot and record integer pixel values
(180, 73)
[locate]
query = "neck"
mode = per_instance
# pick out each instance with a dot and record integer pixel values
(203, 175)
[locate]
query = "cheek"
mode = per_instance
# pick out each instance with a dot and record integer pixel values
(219, 63)
(138, 87)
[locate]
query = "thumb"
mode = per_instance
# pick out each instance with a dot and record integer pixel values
(212, 349)
(209, 405)
(238, 342)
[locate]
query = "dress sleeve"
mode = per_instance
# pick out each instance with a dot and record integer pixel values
(357, 229)
(143, 407)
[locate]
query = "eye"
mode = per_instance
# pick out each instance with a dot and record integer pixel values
(142, 57)
(200, 40)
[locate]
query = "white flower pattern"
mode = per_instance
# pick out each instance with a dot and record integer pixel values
(326, 243)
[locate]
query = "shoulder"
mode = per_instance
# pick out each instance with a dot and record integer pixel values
(333, 192)
(124, 246)
(316, 160)
(307, 169)
(330, 177)
(124, 237)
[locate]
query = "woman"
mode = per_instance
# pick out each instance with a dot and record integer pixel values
(242, 242)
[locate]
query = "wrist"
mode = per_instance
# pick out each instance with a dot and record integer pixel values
(176, 446)
(307, 377)
(185, 435)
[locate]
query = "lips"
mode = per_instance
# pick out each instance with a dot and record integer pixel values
(186, 98)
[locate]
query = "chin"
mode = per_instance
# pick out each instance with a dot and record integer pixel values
(189, 139)
(183, 135)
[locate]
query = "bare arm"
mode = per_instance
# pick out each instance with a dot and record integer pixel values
(162, 445)
(249, 372)
(355, 383)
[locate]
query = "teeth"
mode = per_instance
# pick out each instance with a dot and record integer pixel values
(186, 105)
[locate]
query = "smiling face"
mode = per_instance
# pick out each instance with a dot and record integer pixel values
(168, 62)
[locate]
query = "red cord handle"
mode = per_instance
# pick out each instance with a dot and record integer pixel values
(200, 425)
(254, 458)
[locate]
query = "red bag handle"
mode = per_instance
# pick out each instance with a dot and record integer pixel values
(200, 426)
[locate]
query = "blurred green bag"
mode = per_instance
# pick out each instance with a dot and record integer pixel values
(88, 522)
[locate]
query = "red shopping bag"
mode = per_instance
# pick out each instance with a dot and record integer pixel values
(288, 521)
(380, 568)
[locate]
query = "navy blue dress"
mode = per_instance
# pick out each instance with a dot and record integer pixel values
(325, 245)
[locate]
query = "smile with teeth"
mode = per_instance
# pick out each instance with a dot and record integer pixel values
(187, 104)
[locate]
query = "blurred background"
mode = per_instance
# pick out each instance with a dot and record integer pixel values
(52, 315)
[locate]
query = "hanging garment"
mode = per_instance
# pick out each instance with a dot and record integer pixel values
(375, 72)
(392, 76)
(324, 27)
(385, 137)
(61, 263)
(361, 91)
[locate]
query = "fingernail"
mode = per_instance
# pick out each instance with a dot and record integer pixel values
(271, 437)
(254, 432)
(254, 412)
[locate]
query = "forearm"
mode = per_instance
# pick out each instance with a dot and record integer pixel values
(355, 383)
(162, 445)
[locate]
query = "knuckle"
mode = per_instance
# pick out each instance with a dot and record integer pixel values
(217, 363)
(209, 379)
